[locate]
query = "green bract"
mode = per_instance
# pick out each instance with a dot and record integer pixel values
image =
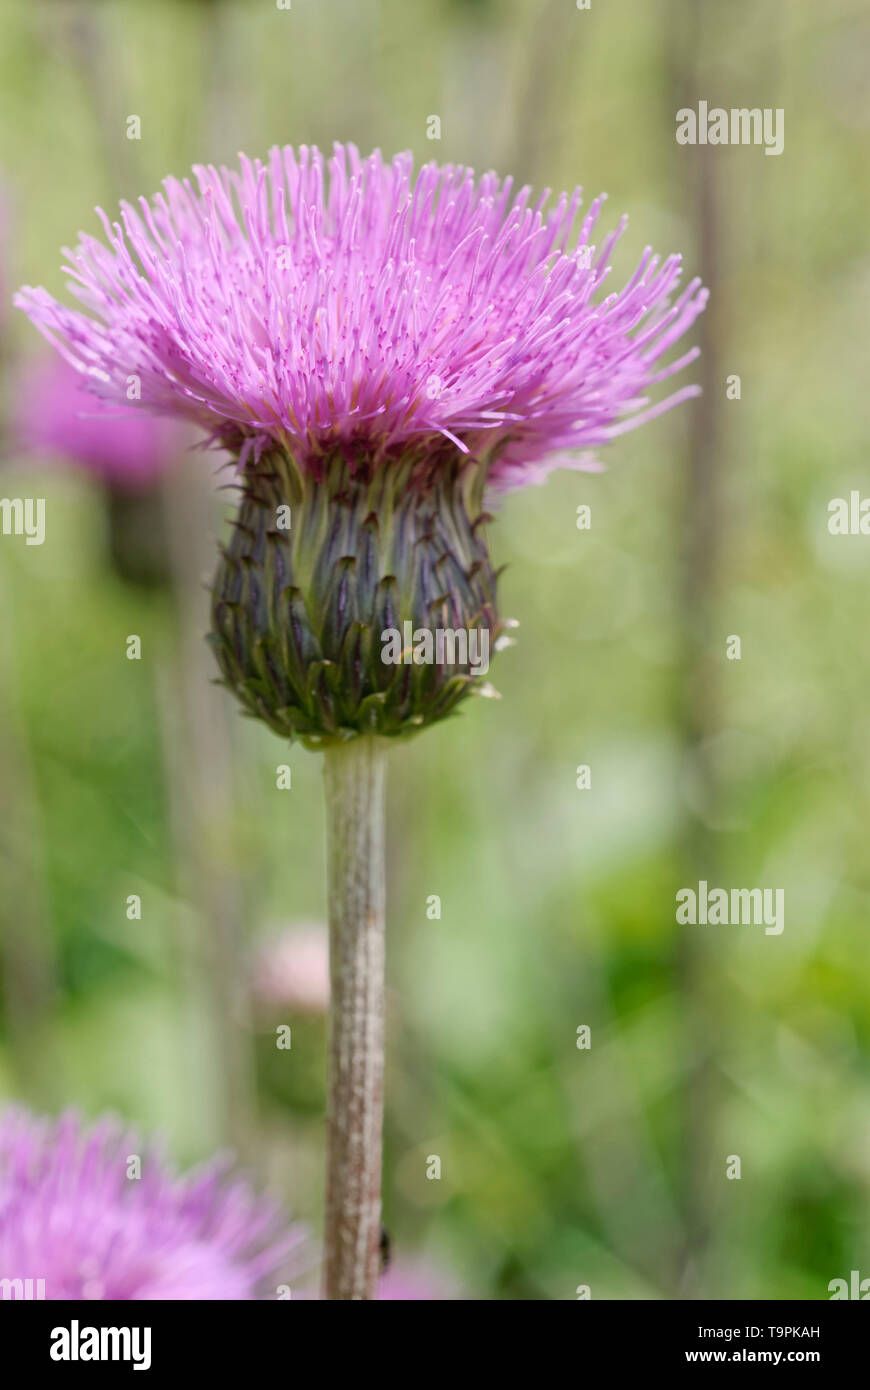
(319, 569)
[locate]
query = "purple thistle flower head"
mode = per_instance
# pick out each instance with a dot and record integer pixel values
(72, 1215)
(320, 305)
(57, 417)
(377, 350)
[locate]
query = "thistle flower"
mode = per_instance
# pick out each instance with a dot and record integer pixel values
(57, 417)
(373, 312)
(379, 352)
(72, 1215)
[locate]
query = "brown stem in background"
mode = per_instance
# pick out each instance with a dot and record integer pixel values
(554, 49)
(703, 651)
(163, 535)
(137, 540)
(27, 948)
(79, 28)
(201, 784)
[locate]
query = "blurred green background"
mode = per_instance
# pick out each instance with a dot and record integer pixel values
(560, 1167)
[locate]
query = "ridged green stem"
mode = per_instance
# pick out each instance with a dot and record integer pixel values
(355, 778)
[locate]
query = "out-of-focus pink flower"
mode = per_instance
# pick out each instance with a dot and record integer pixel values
(291, 968)
(55, 417)
(407, 1282)
(74, 1212)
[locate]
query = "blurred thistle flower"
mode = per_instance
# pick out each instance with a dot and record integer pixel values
(56, 417)
(291, 968)
(57, 420)
(379, 353)
(71, 1214)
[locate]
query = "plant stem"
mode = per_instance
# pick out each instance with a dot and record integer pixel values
(355, 776)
